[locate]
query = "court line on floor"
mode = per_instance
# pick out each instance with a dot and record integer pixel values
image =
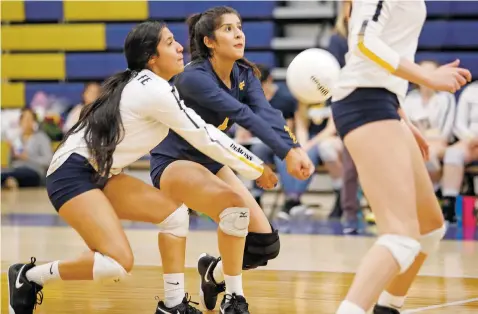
(438, 306)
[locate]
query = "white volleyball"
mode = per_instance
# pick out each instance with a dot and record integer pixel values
(312, 74)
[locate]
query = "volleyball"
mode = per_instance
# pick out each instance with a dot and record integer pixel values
(312, 74)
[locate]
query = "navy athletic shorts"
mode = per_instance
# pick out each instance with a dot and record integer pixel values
(159, 164)
(362, 106)
(72, 178)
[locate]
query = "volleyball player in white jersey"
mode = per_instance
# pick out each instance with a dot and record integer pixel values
(387, 149)
(134, 112)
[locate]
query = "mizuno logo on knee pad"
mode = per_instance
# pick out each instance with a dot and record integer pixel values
(234, 221)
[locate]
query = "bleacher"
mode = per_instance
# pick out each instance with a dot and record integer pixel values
(57, 46)
(449, 31)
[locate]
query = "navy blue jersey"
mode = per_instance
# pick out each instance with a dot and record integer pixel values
(284, 102)
(244, 103)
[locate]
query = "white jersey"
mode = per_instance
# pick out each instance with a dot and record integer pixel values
(149, 107)
(437, 117)
(380, 34)
(466, 124)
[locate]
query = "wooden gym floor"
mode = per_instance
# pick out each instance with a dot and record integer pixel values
(311, 275)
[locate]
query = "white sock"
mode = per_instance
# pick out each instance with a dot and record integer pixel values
(386, 299)
(173, 289)
(217, 273)
(42, 274)
(234, 284)
(337, 184)
(347, 307)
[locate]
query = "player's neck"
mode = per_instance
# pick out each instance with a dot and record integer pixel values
(223, 69)
(161, 74)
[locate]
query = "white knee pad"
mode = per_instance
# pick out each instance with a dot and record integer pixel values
(431, 241)
(234, 221)
(404, 249)
(107, 269)
(177, 223)
(454, 156)
(433, 164)
(327, 151)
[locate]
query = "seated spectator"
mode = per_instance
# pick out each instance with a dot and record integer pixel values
(434, 114)
(90, 94)
(315, 131)
(31, 154)
(462, 152)
(306, 120)
(317, 134)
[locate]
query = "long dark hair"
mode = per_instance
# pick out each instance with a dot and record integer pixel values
(101, 120)
(203, 25)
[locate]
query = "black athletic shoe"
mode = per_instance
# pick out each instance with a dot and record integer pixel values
(448, 208)
(209, 288)
(234, 304)
(22, 293)
(336, 212)
(182, 308)
(378, 309)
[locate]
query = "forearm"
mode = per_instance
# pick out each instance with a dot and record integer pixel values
(301, 124)
(302, 135)
(412, 72)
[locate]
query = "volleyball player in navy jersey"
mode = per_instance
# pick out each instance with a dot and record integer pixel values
(387, 149)
(135, 110)
(223, 88)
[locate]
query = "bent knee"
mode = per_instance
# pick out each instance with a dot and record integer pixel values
(234, 221)
(407, 227)
(126, 260)
(328, 151)
(225, 197)
(431, 240)
(177, 223)
(404, 249)
(433, 164)
(123, 257)
(455, 155)
(260, 248)
(107, 268)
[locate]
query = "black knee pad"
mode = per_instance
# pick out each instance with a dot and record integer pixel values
(260, 248)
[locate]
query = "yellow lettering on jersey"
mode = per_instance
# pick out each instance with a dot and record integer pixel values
(223, 125)
(292, 136)
(241, 85)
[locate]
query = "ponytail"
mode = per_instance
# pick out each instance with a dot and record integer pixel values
(195, 43)
(102, 122)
